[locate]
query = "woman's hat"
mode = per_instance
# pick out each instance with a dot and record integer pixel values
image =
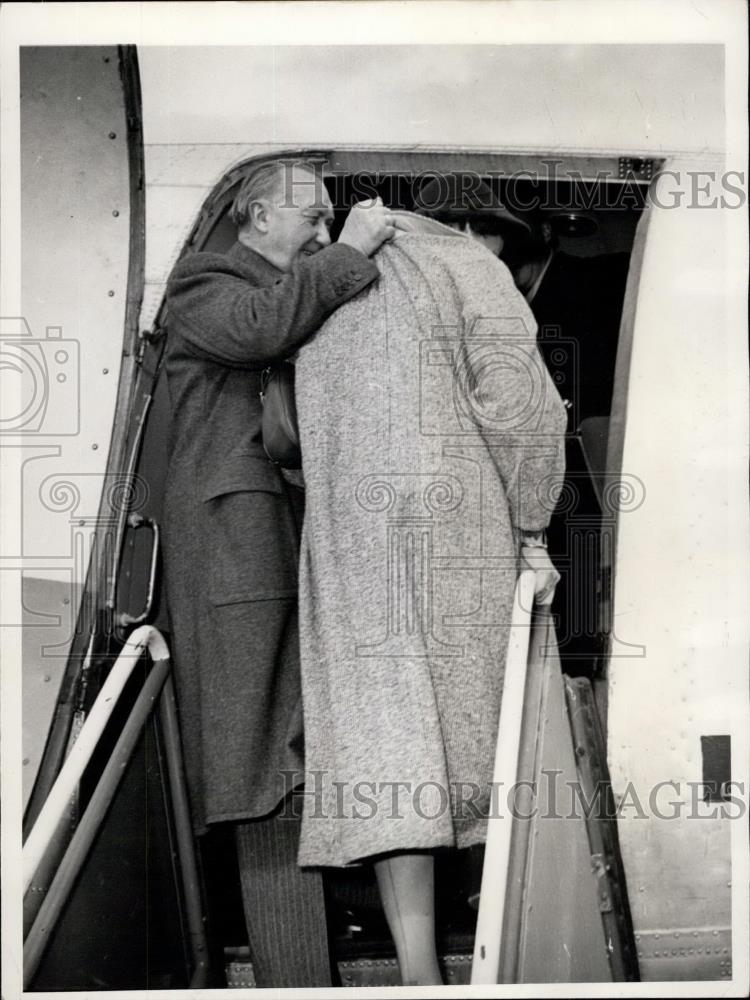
(460, 196)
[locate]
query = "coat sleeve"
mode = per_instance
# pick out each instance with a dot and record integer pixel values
(225, 318)
(512, 398)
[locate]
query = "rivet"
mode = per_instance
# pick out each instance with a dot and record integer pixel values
(113, 135)
(25, 761)
(66, 600)
(116, 213)
(105, 371)
(716, 933)
(81, 523)
(47, 678)
(111, 293)
(94, 447)
(106, 59)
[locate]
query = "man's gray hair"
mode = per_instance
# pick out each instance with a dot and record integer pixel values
(262, 183)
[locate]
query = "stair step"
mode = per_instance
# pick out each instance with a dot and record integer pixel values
(357, 972)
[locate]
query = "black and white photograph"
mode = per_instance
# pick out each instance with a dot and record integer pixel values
(375, 536)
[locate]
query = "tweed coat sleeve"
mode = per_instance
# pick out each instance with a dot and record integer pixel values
(226, 318)
(513, 398)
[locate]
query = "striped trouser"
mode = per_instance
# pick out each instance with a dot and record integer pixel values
(284, 905)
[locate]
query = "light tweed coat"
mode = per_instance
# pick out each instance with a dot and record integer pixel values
(430, 430)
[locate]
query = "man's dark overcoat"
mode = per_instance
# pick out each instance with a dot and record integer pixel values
(231, 522)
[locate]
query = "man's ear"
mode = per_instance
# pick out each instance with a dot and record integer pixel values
(258, 212)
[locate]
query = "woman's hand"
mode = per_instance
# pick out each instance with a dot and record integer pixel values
(537, 558)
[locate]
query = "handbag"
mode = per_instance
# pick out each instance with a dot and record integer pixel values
(279, 418)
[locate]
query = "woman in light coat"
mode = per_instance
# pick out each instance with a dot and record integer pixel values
(432, 440)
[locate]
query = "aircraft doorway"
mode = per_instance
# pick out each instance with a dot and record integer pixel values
(582, 240)
(584, 235)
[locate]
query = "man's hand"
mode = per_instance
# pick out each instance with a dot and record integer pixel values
(537, 558)
(367, 225)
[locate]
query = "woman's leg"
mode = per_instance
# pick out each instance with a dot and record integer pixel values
(406, 883)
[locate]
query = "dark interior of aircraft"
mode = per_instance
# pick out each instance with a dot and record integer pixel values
(578, 313)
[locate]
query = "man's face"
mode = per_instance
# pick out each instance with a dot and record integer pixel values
(299, 217)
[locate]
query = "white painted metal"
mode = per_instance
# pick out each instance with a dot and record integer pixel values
(613, 98)
(144, 638)
(207, 109)
(679, 663)
(75, 215)
(75, 252)
(45, 634)
(489, 931)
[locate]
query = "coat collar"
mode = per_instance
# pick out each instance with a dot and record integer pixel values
(252, 259)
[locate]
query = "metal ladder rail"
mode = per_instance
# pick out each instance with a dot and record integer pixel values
(488, 938)
(158, 685)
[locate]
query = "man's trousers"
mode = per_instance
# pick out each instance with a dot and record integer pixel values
(284, 904)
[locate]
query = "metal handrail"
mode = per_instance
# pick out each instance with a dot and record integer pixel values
(489, 930)
(158, 685)
(184, 834)
(52, 811)
(125, 620)
(86, 831)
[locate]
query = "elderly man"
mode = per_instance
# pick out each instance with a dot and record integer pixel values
(231, 527)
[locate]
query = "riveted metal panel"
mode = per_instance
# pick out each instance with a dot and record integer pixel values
(81, 270)
(75, 217)
(456, 970)
(678, 664)
(690, 953)
(49, 610)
